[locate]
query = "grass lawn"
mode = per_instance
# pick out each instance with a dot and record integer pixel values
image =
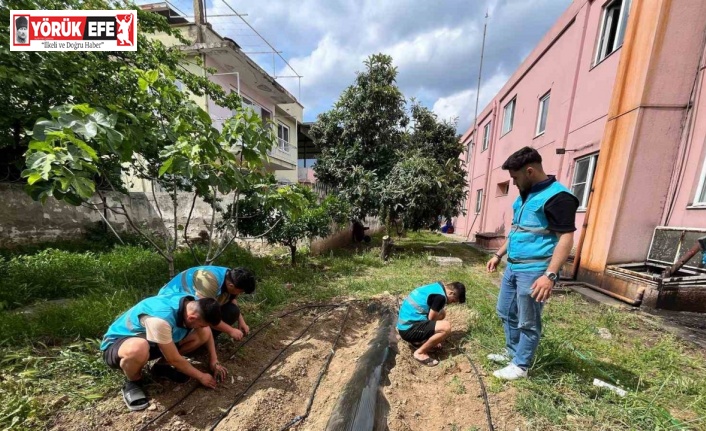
(49, 352)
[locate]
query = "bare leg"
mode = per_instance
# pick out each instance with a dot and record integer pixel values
(197, 338)
(442, 330)
(134, 354)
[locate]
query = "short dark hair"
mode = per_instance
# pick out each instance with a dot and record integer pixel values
(460, 290)
(521, 158)
(210, 311)
(243, 279)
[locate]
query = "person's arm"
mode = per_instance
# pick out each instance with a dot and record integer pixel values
(234, 333)
(436, 307)
(542, 287)
(174, 358)
(494, 261)
(560, 211)
(241, 320)
(219, 371)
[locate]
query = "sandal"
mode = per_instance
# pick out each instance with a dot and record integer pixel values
(171, 373)
(134, 397)
(429, 362)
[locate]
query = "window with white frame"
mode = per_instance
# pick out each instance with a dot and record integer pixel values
(479, 200)
(701, 190)
(509, 115)
(468, 151)
(486, 136)
(542, 114)
(584, 169)
(613, 25)
(283, 137)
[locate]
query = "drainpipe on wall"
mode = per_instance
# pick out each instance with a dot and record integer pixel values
(491, 152)
(573, 94)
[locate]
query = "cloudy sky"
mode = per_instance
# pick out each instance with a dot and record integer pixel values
(434, 44)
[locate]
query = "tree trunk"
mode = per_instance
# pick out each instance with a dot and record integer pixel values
(170, 261)
(386, 247)
(293, 250)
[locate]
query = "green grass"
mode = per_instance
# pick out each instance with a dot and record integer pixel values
(49, 358)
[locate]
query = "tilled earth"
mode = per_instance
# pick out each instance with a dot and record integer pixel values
(446, 397)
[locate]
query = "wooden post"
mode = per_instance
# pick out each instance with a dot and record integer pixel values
(386, 247)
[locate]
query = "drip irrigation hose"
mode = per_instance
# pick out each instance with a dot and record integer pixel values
(483, 392)
(300, 418)
(269, 365)
(240, 346)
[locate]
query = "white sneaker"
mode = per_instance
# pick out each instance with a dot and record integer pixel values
(500, 358)
(511, 372)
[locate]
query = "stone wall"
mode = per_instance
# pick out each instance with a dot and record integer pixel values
(24, 221)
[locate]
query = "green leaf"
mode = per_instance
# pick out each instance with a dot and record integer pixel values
(165, 166)
(33, 178)
(143, 84)
(152, 76)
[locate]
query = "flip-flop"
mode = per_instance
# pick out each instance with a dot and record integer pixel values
(171, 373)
(134, 397)
(429, 362)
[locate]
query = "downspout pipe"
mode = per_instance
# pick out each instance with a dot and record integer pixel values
(491, 152)
(573, 92)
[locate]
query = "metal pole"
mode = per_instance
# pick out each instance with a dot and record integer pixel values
(475, 119)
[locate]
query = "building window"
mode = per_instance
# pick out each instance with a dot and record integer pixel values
(701, 191)
(266, 116)
(508, 116)
(283, 137)
(503, 189)
(486, 136)
(613, 24)
(479, 200)
(542, 114)
(583, 178)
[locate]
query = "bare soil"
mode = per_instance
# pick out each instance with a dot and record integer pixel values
(446, 397)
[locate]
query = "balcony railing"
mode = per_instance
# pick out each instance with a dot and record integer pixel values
(283, 145)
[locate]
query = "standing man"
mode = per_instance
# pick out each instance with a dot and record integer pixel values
(163, 327)
(540, 240)
(421, 320)
(222, 284)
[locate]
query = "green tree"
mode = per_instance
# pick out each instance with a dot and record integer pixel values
(388, 162)
(34, 82)
(272, 212)
(360, 136)
(428, 180)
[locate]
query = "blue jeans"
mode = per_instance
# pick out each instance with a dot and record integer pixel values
(521, 315)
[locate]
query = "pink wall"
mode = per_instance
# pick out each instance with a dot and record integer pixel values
(561, 63)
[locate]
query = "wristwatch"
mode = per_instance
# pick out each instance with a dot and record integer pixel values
(552, 276)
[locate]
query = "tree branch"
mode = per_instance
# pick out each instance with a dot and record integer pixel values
(186, 229)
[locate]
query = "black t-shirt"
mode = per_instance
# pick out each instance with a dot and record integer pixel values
(436, 302)
(561, 212)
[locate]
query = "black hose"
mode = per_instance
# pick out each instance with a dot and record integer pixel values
(240, 346)
(482, 390)
(237, 398)
(300, 418)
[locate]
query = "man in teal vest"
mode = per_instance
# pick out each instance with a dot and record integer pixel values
(421, 320)
(222, 284)
(163, 327)
(540, 240)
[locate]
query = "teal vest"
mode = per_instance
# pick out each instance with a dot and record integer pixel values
(415, 308)
(183, 283)
(531, 244)
(164, 307)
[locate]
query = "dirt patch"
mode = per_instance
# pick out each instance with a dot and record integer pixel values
(446, 397)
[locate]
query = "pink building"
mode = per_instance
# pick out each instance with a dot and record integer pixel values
(612, 97)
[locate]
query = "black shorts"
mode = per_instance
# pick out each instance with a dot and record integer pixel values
(419, 332)
(111, 358)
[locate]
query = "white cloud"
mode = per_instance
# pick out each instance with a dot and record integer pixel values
(462, 104)
(436, 46)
